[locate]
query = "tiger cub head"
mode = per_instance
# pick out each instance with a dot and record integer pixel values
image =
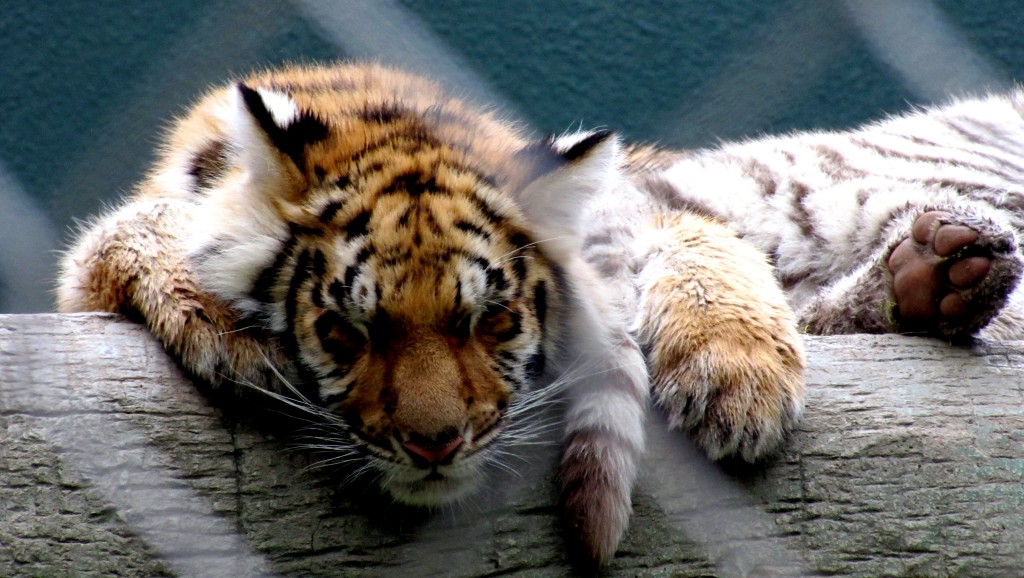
(408, 252)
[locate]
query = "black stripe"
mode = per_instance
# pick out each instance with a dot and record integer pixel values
(265, 281)
(581, 148)
(665, 192)
(476, 259)
(319, 263)
(358, 225)
(831, 162)
(508, 366)
(519, 240)
(535, 365)
(338, 292)
(292, 139)
(508, 360)
(325, 325)
(413, 184)
(458, 295)
(467, 227)
(384, 112)
(335, 398)
(488, 180)
(488, 212)
(947, 157)
(352, 270)
(496, 278)
(308, 380)
(296, 229)
(330, 211)
(404, 219)
(438, 115)
(336, 373)
(431, 221)
(519, 269)
(301, 274)
(381, 329)
(540, 302)
(390, 144)
(214, 249)
(317, 293)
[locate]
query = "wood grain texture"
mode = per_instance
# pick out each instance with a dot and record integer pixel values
(909, 462)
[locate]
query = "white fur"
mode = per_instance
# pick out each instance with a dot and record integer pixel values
(718, 179)
(552, 202)
(242, 211)
(281, 107)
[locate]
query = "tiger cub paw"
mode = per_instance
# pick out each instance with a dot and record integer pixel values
(952, 274)
(741, 393)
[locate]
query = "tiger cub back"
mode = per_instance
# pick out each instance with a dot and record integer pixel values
(911, 224)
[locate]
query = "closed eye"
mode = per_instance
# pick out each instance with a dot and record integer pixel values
(498, 321)
(339, 338)
(461, 324)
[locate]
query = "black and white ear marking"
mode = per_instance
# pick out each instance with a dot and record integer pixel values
(265, 135)
(288, 128)
(570, 169)
(571, 149)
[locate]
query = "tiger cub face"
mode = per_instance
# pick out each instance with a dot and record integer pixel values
(407, 251)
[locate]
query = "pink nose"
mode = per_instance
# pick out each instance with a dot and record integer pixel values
(430, 451)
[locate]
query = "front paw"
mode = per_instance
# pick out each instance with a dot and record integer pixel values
(740, 393)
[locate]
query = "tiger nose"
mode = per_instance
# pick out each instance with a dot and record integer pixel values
(433, 451)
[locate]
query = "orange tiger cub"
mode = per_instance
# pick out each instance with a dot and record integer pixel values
(411, 269)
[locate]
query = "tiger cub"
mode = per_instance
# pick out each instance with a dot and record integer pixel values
(409, 268)
(421, 276)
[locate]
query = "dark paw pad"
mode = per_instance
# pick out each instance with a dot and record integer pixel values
(951, 275)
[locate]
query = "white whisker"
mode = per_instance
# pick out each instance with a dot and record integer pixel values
(239, 330)
(506, 257)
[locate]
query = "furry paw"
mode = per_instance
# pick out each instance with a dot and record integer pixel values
(952, 275)
(739, 396)
(725, 358)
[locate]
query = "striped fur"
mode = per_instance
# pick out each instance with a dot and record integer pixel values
(403, 267)
(714, 258)
(828, 210)
(409, 270)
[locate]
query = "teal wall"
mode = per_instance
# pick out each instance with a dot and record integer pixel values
(85, 86)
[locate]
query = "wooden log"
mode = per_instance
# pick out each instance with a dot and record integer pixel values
(909, 462)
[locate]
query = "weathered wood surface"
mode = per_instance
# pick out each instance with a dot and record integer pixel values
(910, 462)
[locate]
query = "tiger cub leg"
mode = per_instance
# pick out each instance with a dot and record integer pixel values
(134, 262)
(952, 274)
(945, 270)
(725, 358)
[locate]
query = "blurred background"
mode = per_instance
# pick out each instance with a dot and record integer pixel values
(85, 87)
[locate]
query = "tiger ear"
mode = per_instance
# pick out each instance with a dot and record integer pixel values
(269, 133)
(240, 231)
(570, 170)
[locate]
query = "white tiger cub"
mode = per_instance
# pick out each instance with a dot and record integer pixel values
(415, 266)
(909, 225)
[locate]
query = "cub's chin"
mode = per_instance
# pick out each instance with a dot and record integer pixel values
(431, 486)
